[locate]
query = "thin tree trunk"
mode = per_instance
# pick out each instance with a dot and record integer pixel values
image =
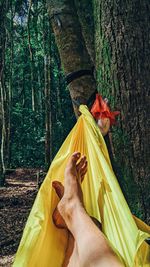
(23, 91)
(59, 110)
(40, 93)
(47, 86)
(37, 11)
(10, 87)
(48, 118)
(3, 95)
(31, 58)
(3, 135)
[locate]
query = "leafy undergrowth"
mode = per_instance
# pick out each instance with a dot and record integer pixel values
(16, 200)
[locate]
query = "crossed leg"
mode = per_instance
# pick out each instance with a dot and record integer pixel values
(91, 248)
(60, 223)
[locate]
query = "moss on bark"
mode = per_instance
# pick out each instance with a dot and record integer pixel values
(121, 42)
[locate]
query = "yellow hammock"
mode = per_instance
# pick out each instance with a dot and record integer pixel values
(43, 245)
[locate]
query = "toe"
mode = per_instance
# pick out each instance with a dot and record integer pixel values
(58, 220)
(59, 188)
(81, 163)
(75, 156)
(71, 165)
(83, 170)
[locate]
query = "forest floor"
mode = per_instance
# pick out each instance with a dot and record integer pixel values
(16, 200)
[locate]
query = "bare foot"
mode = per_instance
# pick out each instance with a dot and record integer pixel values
(73, 196)
(59, 188)
(72, 210)
(57, 218)
(81, 169)
(74, 175)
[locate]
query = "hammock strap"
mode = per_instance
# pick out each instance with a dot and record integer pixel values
(70, 77)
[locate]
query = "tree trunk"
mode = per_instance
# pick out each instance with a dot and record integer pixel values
(72, 49)
(10, 88)
(23, 92)
(31, 59)
(3, 94)
(48, 117)
(36, 12)
(122, 66)
(122, 63)
(47, 87)
(85, 15)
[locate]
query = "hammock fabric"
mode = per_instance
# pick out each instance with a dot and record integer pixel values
(101, 110)
(44, 245)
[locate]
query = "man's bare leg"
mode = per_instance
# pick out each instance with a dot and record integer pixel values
(92, 248)
(71, 251)
(59, 189)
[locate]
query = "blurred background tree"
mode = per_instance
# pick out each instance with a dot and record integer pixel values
(34, 99)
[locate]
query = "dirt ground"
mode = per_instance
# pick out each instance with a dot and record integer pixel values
(16, 200)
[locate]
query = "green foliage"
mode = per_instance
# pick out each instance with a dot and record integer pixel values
(27, 133)
(28, 126)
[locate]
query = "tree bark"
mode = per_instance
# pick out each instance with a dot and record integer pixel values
(48, 115)
(31, 58)
(37, 11)
(47, 88)
(9, 104)
(122, 63)
(3, 94)
(73, 52)
(86, 19)
(122, 66)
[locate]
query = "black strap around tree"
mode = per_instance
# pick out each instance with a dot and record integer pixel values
(77, 74)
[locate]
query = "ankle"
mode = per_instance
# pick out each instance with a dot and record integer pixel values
(67, 207)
